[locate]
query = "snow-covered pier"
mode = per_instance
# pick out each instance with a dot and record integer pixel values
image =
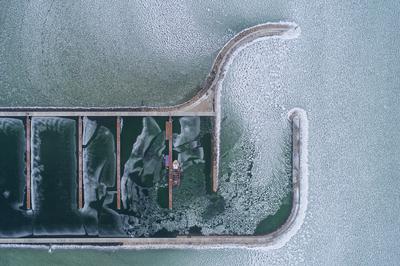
(207, 102)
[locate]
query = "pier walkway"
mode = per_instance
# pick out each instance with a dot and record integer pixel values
(205, 103)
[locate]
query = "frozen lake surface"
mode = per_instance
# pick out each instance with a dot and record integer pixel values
(344, 70)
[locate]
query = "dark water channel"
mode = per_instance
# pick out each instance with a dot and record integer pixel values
(144, 191)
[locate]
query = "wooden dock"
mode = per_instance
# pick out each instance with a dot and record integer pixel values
(80, 128)
(214, 161)
(80, 163)
(118, 166)
(168, 137)
(209, 95)
(118, 123)
(28, 163)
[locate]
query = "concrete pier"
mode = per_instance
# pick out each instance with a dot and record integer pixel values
(275, 239)
(205, 103)
(75, 112)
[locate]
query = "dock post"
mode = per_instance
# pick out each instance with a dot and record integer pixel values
(28, 163)
(118, 166)
(80, 163)
(168, 133)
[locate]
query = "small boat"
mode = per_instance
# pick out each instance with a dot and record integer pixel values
(176, 173)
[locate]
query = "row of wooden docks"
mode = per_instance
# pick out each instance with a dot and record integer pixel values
(80, 161)
(80, 146)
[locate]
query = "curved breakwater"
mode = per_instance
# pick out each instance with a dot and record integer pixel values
(99, 170)
(103, 178)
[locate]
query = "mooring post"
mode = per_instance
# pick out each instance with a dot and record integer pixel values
(118, 133)
(80, 163)
(28, 162)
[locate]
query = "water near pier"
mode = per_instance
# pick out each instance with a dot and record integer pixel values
(70, 55)
(13, 221)
(196, 209)
(54, 177)
(344, 70)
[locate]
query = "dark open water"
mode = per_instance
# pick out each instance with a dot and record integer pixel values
(196, 209)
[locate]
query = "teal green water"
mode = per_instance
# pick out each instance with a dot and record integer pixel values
(344, 70)
(196, 209)
(150, 257)
(105, 54)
